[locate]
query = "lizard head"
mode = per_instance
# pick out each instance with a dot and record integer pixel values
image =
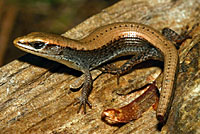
(50, 46)
(41, 43)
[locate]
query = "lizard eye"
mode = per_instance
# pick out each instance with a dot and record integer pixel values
(37, 44)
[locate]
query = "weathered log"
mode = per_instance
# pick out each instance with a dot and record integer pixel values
(35, 95)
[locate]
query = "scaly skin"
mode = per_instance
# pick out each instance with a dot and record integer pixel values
(105, 44)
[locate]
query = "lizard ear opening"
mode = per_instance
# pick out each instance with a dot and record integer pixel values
(37, 44)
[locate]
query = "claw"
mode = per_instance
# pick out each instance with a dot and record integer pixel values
(118, 77)
(83, 103)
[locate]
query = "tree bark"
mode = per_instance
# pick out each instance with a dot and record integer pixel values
(35, 96)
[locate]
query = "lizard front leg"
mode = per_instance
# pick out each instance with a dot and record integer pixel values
(86, 89)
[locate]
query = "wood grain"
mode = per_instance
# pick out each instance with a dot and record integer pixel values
(35, 95)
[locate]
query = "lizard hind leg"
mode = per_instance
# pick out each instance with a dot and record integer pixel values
(152, 53)
(126, 67)
(175, 37)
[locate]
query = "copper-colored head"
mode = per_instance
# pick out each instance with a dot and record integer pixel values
(50, 46)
